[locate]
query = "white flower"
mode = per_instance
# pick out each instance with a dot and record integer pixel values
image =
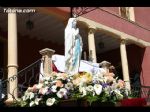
(50, 101)
(82, 90)
(102, 79)
(117, 91)
(90, 88)
(98, 89)
(36, 101)
(53, 88)
(62, 92)
(32, 103)
(3, 95)
(107, 90)
(24, 98)
(69, 86)
(27, 96)
(126, 92)
(47, 78)
(31, 95)
(118, 94)
(46, 82)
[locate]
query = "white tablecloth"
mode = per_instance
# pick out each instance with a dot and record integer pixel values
(59, 61)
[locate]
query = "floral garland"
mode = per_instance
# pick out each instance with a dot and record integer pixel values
(85, 86)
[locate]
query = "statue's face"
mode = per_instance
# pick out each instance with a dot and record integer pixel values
(74, 23)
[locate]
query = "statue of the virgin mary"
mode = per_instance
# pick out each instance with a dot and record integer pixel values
(73, 47)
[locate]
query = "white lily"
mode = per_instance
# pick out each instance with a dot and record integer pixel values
(82, 90)
(27, 97)
(50, 101)
(98, 89)
(24, 98)
(32, 103)
(31, 95)
(36, 101)
(118, 94)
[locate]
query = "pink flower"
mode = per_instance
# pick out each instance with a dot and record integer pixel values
(110, 79)
(43, 90)
(121, 84)
(30, 89)
(59, 83)
(109, 74)
(34, 88)
(76, 81)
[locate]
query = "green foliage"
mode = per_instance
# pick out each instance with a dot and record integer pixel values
(91, 99)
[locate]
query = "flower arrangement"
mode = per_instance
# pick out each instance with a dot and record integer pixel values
(84, 86)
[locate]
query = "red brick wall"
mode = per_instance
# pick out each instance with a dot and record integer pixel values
(142, 16)
(117, 23)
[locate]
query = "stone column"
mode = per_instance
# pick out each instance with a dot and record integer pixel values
(131, 12)
(124, 62)
(91, 42)
(12, 55)
(47, 58)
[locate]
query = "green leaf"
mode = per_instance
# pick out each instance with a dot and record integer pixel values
(91, 99)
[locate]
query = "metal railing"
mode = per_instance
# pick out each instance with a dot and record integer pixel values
(141, 92)
(26, 77)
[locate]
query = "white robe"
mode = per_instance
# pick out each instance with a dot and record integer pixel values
(73, 48)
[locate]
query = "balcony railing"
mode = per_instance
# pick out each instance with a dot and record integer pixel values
(26, 77)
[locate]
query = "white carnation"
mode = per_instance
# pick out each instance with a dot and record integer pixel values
(62, 92)
(90, 88)
(54, 88)
(69, 86)
(50, 101)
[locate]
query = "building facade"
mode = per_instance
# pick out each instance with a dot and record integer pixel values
(119, 35)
